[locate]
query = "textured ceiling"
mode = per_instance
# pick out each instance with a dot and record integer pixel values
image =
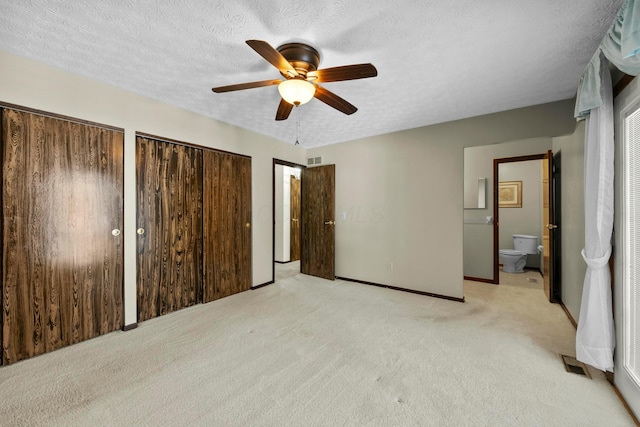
(437, 60)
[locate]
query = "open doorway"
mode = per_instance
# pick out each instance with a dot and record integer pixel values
(526, 224)
(482, 216)
(519, 221)
(286, 219)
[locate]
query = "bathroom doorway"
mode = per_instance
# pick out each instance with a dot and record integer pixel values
(529, 213)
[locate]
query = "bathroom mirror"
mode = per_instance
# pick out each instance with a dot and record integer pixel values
(475, 193)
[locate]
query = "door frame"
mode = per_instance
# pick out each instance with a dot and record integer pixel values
(555, 194)
(496, 219)
(273, 210)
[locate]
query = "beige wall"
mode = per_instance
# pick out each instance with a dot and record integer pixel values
(30, 84)
(573, 267)
(399, 196)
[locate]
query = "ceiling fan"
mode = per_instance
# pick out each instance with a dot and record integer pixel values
(298, 64)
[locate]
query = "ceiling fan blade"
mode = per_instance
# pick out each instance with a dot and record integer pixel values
(242, 86)
(284, 109)
(346, 72)
(274, 57)
(333, 100)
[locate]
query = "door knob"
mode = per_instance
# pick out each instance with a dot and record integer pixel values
(329, 222)
(551, 226)
(115, 232)
(248, 225)
(140, 231)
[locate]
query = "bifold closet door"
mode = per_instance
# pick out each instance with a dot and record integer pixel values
(227, 224)
(169, 262)
(61, 244)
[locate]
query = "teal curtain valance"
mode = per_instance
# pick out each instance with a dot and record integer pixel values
(621, 46)
(588, 95)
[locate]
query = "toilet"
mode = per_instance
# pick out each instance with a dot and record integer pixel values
(514, 260)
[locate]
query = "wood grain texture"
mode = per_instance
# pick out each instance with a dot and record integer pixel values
(169, 252)
(547, 234)
(294, 247)
(227, 225)
(318, 207)
(61, 266)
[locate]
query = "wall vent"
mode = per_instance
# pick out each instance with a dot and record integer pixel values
(573, 366)
(311, 161)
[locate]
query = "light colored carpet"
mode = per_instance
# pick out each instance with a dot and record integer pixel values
(307, 351)
(284, 271)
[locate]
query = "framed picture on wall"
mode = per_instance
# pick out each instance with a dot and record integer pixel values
(510, 194)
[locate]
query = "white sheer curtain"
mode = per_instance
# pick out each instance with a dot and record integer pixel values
(621, 45)
(595, 339)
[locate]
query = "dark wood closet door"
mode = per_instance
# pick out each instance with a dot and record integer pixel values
(62, 248)
(227, 224)
(294, 247)
(169, 262)
(318, 222)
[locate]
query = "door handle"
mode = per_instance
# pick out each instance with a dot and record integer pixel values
(248, 225)
(115, 232)
(294, 219)
(329, 222)
(551, 226)
(140, 231)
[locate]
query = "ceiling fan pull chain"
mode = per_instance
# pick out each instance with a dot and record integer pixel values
(298, 124)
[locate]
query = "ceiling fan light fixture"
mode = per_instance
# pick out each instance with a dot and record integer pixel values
(296, 91)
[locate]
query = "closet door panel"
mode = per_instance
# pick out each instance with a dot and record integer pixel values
(227, 224)
(244, 269)
(25, 268)
(294, 203)
(62, 266)
(169, 180)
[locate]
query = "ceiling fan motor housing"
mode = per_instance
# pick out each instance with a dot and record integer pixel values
(302, 57)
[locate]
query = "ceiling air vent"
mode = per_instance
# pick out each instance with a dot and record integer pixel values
(311, 161)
